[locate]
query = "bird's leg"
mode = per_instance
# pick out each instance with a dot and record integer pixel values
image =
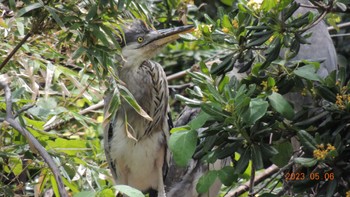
(160, 163)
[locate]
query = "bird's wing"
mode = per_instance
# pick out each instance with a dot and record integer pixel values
(108, 134)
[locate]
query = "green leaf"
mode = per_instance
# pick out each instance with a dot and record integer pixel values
(227, 176)
(210, 20)
(29, 8)
(307, 162)
(273, 52)
(271, 82)
(267, 5)
(223, 83)
(70, 147)
(307, 140)
(286, 150)
(206, 181)
(226, 22)
(268, 150)
(100, 35)
(257, 109)
(71, 185)
(77, 53)
(243, 161)
(257, 158)
(107, 192)
(259, 41)
(92, 12)
(55, 16)
(199, 121)
(16, 165)
(129, 98)
(177, 129)
(227, 2)
(129, 191)
(281, 105)
(54, 185)
(326, 93)
(187, 101)
(20, 28)
(331, 79)
(183, 145)
(85, 194)
(307, 72)
(331, 187)
(226, 62)
(204, 68)
(217, 113)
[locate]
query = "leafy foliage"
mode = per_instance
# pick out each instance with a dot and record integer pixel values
(69, 52)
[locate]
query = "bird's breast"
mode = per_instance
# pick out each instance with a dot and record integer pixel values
(149, 87)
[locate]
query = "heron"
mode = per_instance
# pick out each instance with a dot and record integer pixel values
(135, 147)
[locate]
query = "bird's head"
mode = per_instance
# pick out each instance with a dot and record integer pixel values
(141, 42)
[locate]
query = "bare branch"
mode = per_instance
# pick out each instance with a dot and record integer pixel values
(31, 139)
(318, 20)
(347, 24)
(258, 179)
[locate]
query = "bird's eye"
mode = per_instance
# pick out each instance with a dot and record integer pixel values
(140, 39)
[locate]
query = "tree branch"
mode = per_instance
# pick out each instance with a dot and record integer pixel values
(258, 179)
(18, 46)
(31, 139)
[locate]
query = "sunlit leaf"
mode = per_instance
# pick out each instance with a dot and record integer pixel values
(129, 98)
(183, 144)
(307, 72)
(129, 191)
(29, 8)
(85, 194)
(257, 109)
(15, 165)
(307, 162)
(54, 185)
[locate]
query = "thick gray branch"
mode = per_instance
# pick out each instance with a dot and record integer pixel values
(31, 139)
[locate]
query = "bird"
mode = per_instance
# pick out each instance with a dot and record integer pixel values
(135, 147)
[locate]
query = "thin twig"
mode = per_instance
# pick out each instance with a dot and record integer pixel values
(340, 35)
(18, 46)
(319, 19)
(259, 178)
(181, 73)
(25, 108)
(309, 6)
(347, 24)
(31, 139)
(271, 172)
(252, 181)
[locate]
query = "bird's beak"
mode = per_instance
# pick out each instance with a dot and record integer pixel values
(164, 36)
